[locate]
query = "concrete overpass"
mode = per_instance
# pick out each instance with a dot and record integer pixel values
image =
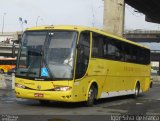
(114, 12)
(151, 8)
(6, 50)
(6, 41)
(143, 35)
(146, 36)
(9, 36)
(155, 55)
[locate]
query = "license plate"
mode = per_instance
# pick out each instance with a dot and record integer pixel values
(38, 95)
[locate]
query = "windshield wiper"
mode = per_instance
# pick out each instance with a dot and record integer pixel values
(24, 72)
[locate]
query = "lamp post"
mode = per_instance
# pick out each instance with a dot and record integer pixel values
(3, 22)
(37, 20)
(22, 22)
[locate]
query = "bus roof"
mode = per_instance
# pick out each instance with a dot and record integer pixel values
(82, 28)
(2, 58)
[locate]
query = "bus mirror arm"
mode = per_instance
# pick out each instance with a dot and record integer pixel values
(78, 46)
(13, 50)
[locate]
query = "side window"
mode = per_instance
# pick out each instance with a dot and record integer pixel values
(97, 45)
(115, 50)
(14, 62)
(143, 56)
(128, 53)
(3, 62)
(83, 52)
(135, 54)
(147, 57)
(131, 53)
(106, 48)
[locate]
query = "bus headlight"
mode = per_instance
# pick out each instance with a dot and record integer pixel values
(62, 88)
(20, 85)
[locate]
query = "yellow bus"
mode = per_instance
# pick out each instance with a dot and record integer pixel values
(75, 63)
(7, 64)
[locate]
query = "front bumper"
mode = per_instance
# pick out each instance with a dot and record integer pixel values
(63, 96)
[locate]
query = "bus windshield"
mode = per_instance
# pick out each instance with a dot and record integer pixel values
(47, 55)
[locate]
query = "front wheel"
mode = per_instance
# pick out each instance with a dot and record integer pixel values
(1, 71)
(92, 93)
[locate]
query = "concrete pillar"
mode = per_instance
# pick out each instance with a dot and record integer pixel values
(159, 69)
(13, 80)
(114, 16)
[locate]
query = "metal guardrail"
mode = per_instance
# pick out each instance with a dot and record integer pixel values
(6, 50)
(139, 31)
(155, 51)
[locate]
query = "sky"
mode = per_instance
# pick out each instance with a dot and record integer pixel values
(62, 12)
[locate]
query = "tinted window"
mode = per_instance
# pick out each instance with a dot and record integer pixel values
(97, 45)
(113, 49)
(105, 47)
(7, 62)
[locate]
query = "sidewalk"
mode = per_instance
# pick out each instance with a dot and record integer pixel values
(5, 81)
(156, 79)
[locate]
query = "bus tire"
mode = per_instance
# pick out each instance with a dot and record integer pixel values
(92, 94)
(137, 90)
(2, 71)
(151, 85)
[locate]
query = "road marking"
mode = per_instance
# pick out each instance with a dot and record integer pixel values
(139, 103)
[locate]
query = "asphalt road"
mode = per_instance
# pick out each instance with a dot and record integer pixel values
(125, 108)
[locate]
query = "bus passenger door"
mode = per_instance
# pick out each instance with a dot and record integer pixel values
(82, 64)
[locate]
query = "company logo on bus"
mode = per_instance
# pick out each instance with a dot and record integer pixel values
(38, 87)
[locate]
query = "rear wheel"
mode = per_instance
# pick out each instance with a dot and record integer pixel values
(137, 90)
(92, 93)
(151, 85)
